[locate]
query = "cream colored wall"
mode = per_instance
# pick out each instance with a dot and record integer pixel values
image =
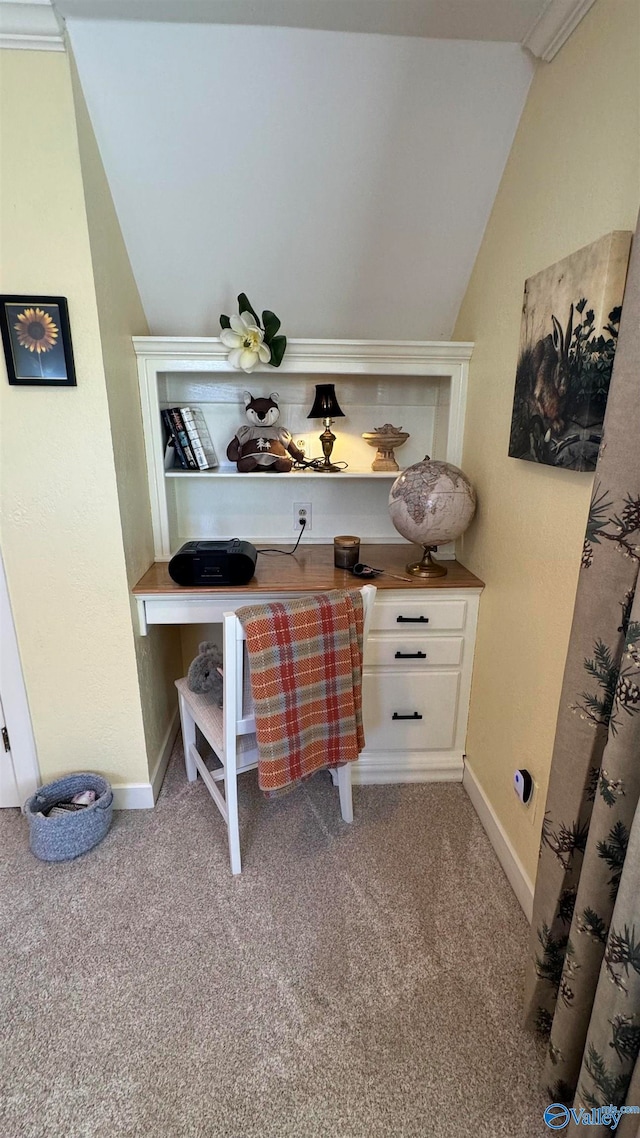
(573, 175)
(60, 527)
(121, 316)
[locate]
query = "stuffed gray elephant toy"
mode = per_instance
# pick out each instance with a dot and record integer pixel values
(205, 672)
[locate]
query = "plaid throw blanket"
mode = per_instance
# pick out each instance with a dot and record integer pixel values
(305, 660)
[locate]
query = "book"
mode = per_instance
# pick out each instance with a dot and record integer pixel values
(182, 437)
(173, 440)
(199, 437)
(170, 454)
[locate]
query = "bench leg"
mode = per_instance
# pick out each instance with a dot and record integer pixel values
(233, 825)
(188, 738)
(344, 787)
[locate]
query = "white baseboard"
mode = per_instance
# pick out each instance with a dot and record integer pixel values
(143, 795)
(381, 767)
(162, 762)
(515, 872)
(133, 796)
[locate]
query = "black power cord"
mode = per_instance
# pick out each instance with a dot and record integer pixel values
(317, 464)
(288, 552)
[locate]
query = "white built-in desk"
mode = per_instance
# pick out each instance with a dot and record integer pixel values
(418, 657)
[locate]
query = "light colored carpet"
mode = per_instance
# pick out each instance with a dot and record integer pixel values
(356, 981)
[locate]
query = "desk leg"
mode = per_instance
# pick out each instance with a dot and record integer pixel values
(142, 617)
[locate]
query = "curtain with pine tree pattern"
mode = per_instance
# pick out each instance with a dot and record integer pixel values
(583, 976)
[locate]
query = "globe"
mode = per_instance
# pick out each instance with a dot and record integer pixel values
(431, 503)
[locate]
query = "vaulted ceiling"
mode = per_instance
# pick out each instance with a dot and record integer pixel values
(339, 177)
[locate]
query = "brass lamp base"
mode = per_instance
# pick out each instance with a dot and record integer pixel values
(327, 439)
(427, 567)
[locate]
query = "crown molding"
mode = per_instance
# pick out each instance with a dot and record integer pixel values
(554, 26)
(30, 24)
(348, 356)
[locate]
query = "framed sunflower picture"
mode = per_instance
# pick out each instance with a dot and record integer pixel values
(37, 341)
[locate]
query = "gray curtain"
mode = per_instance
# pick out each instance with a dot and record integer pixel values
(583, 976)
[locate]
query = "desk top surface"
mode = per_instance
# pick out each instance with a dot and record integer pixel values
(311, 568)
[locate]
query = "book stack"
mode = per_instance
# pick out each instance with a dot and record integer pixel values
(189, 439)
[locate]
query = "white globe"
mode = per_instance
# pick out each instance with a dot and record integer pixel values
(431, 502)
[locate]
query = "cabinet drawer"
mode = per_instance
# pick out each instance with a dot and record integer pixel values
(432, 696)
(418, 613)
(414, 651)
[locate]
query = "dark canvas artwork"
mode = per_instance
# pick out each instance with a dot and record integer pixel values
(568, 336)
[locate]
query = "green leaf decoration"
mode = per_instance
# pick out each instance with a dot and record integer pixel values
(566, 841)
(593, 925)
(614, 852)
(549, 966)
(566, 905)
(605, 670)
(611, 1087)
(633, 632)
(225, 322)
(626, 1038)
(278, 346)
(543, 1021)
(622, 951)
(599, 511)
(592, 783)
(244, 305)
(271, 324)
(561, 1091)
(610, 789)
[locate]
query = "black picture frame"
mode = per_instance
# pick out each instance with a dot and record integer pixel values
(37, 351)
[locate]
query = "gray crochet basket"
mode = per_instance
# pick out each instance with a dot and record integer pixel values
(67, 836)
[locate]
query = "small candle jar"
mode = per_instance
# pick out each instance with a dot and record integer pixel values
(346, 551)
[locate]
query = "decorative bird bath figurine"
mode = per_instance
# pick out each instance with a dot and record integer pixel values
(385, 439)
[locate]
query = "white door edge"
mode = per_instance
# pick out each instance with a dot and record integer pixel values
(14, 700)
(8, 787)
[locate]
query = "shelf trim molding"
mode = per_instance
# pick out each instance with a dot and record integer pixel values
(178, 353)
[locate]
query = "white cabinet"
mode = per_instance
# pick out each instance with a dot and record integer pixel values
(416, 685)
(418, 386)
(419, 656)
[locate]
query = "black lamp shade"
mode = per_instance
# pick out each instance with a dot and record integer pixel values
(325, 404)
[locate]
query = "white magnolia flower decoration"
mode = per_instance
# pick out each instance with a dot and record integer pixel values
(246, 342)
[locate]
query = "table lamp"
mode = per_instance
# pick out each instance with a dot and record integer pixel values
(327, 408)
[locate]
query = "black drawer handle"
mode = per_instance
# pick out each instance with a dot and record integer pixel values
(414, 716)
(412, 620)
(411, 655)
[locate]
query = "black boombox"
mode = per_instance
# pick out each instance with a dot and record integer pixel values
(214, 563)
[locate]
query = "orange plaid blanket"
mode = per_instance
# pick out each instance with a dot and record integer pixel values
(305, 661)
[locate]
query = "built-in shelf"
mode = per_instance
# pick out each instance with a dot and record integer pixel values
(308, 475)
(417, 386)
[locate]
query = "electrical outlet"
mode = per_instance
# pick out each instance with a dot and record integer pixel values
(302, 511)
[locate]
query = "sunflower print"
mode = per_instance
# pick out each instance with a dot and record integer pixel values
(36, 330)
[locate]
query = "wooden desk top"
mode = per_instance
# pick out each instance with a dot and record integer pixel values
(311, 569)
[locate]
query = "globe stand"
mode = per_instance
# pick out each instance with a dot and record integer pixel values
(427, 567)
